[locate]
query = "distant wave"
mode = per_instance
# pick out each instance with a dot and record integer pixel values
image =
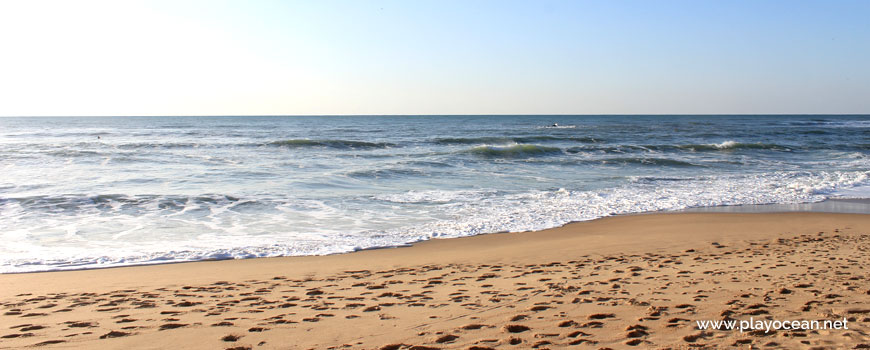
(609, 149)
(515, 151)
(645, 161)
(386, 173)
(293, 143)
(344, 144)
(734, 145)
(850, 124)
(726, 146)
(429, 164)
(117, 202)
(557, 127)
(810, 132)
(722, 146)
(834, 123)
(502, 140)
(57, 134)
(166, 145)
(66, 153)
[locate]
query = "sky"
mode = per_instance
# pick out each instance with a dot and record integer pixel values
(73, 58)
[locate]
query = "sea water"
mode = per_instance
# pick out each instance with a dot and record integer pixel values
(110, 191)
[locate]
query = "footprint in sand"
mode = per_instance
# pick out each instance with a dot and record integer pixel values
(519, 318)
(446, 338)
(473, 326)
(636, 333)
(694, 337)
(576, 334)
(592, 324)
(600, 316)
(567, 323)
(74, 324)
(231, 338)
(516, 328)
(114, 334)
(633, 342)
(166, 326)
(17, 335)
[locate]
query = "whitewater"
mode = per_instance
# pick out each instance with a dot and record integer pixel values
(113, 191)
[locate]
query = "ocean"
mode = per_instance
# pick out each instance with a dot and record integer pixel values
(113, 191)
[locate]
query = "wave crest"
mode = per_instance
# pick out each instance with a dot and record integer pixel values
(726, 146)
(515, 151)
(734, 145)
(647, 161)
(341, 144)
(503, 140)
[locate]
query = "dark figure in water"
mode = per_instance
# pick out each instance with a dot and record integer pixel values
(555, 125)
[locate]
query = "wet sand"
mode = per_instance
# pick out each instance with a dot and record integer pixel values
(622, 282)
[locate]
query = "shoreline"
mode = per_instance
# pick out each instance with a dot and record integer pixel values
(823, 207)
(830, 205)
(499, 276)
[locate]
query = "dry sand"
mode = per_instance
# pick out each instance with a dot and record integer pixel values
(622, 282)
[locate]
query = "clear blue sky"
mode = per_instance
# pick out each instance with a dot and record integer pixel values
(433, 57)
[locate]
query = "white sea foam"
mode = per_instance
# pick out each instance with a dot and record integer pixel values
(434, 196)
(155, 190)
(558, 127)
(848, 124)
(725, 144)
(460, 213)
(857, 192)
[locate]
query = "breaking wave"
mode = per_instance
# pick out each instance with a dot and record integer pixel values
(520, 140)
(341, 144)
(515, 151)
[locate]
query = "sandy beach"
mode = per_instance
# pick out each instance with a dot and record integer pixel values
(434, 175)
(637, 281)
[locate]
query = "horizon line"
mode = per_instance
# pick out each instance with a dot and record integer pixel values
(428, 115)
